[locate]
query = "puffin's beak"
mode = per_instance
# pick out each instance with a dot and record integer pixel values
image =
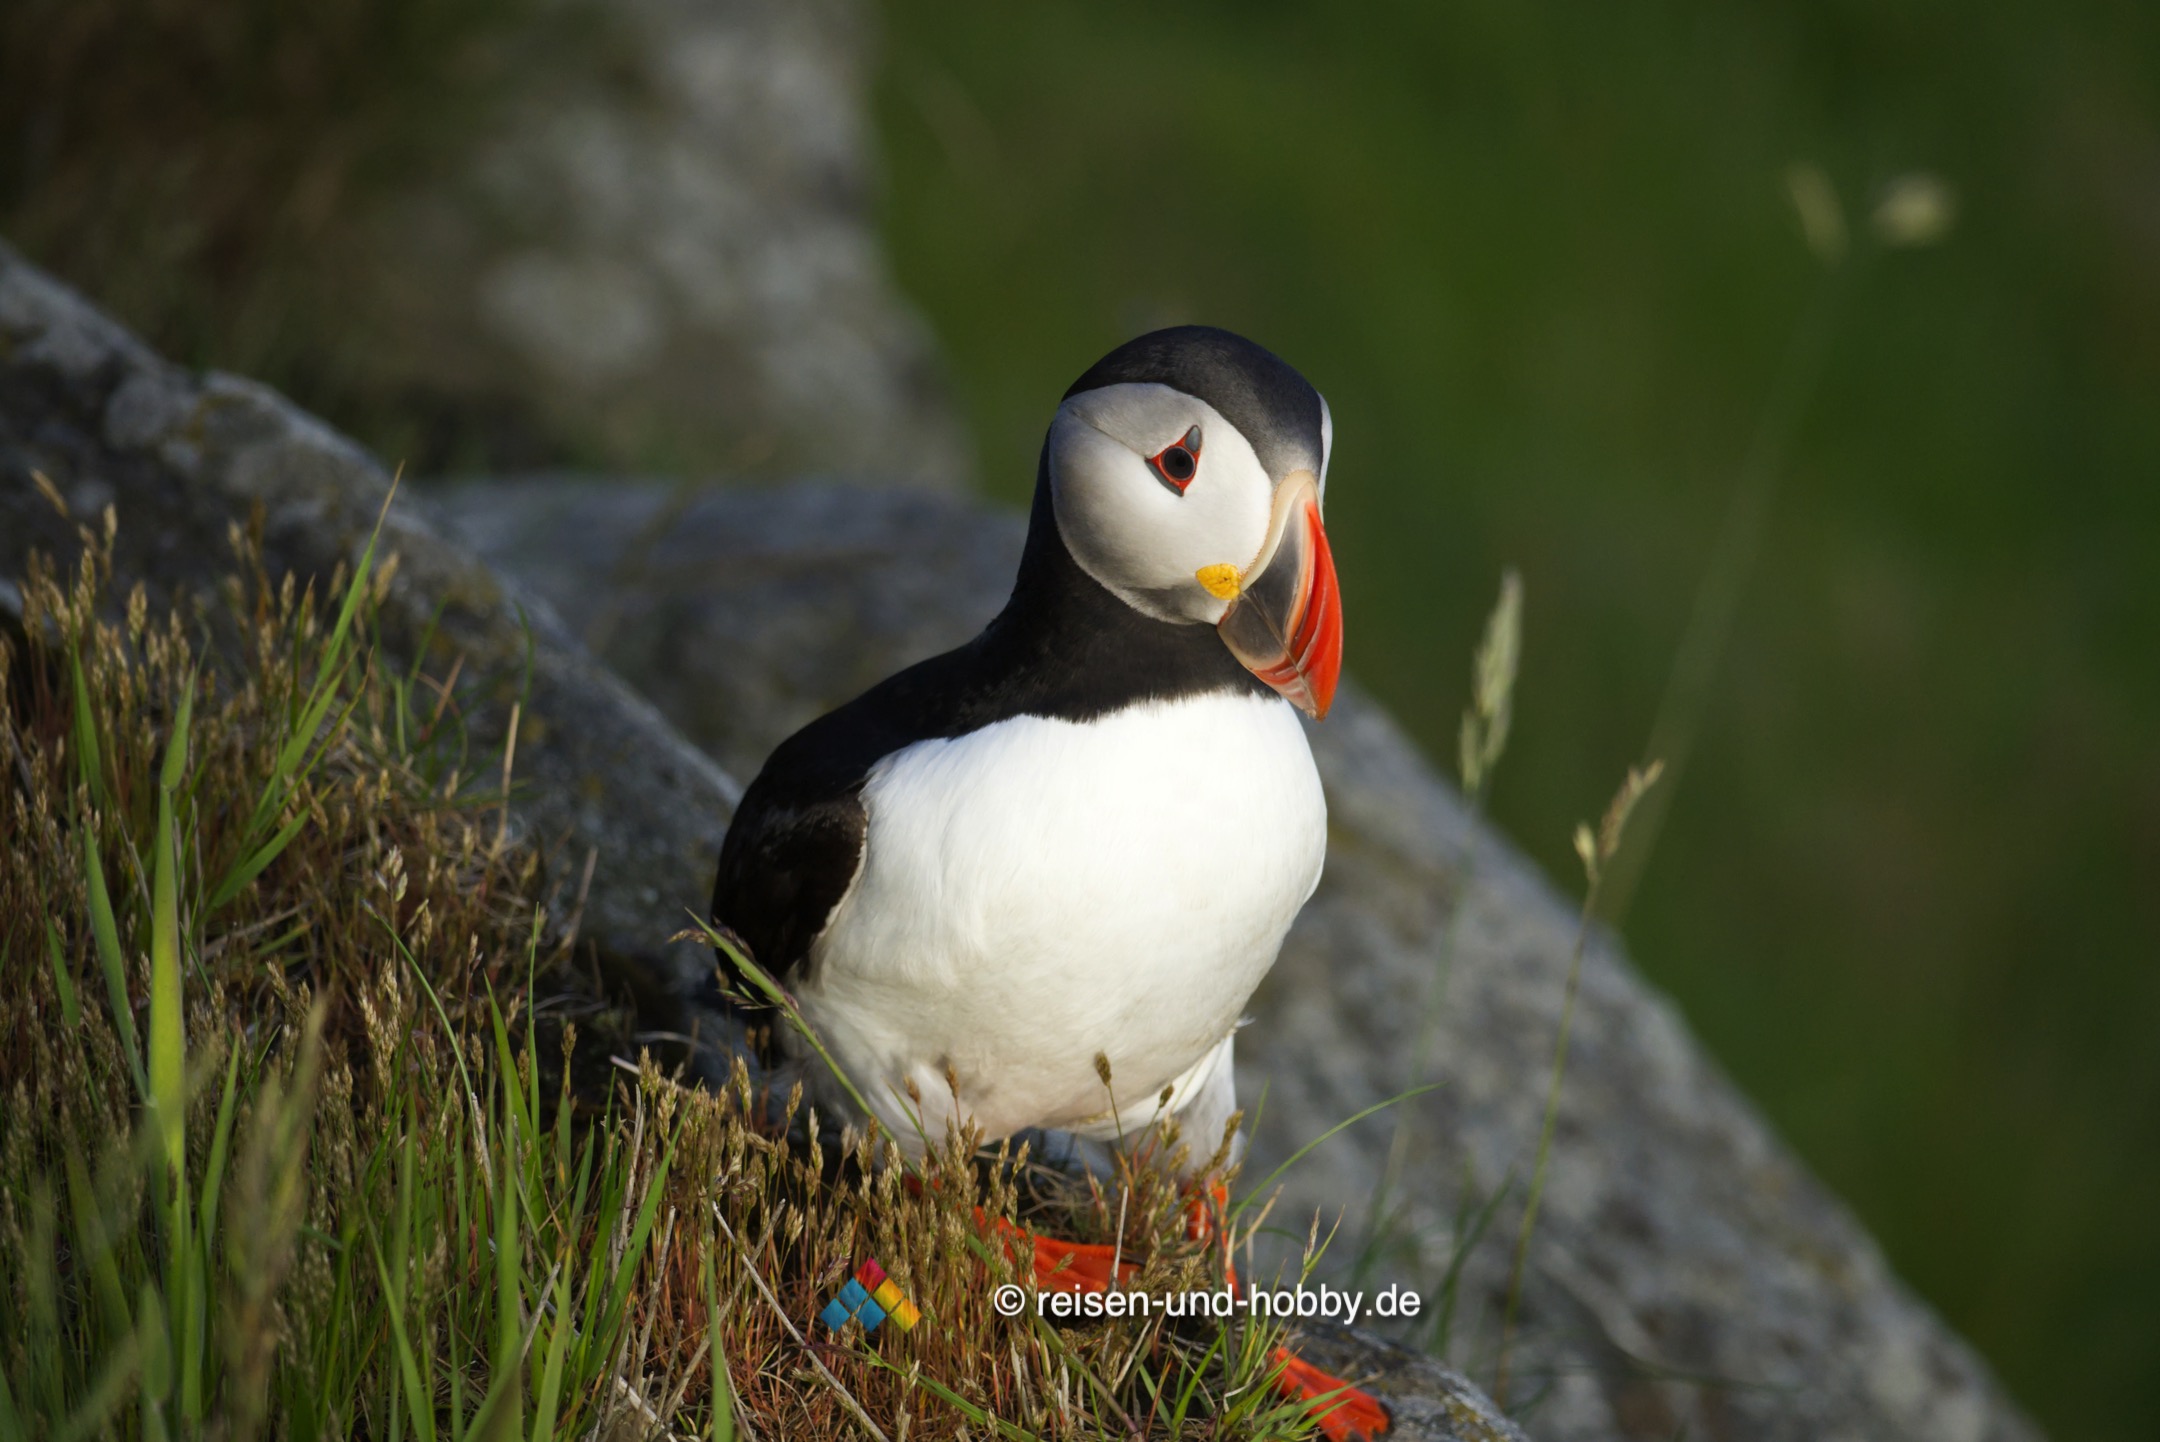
(1285, 616)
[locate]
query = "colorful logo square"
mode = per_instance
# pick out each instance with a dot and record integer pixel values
(870, 1297)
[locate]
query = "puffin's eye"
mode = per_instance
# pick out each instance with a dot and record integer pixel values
(1179, 462)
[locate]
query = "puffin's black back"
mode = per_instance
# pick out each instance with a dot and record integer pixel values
(1063, 647)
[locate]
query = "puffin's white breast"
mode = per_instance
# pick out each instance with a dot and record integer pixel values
(1040, 891)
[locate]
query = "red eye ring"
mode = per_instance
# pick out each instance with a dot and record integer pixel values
(1178, 462)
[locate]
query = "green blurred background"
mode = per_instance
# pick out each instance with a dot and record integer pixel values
(1543, 260)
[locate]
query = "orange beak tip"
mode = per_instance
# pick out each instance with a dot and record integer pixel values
(1317, 646)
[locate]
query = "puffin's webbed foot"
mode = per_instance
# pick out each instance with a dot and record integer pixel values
(1060, 1266)
(1345, 1413)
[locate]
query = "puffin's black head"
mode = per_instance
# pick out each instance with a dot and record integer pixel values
(1186, 472)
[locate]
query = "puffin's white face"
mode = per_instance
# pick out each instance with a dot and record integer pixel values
(1155, 493)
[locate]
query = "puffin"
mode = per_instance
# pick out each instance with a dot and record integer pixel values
(1033, 882)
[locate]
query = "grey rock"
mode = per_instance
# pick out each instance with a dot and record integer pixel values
(663, 243)
(744, 614)
(1688, 1276)
(1425, 1397)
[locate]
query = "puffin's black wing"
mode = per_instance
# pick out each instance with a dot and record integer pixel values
(791, 852)
(797, 839)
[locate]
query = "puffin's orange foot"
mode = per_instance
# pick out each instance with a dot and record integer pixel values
(1345, 1413)
(1210, 1201)
(1061, 1266)
(1079, 1266)
(1089, 1266)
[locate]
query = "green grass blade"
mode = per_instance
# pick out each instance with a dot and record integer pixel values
(1470, 1225)
(92, 1416)
(550, 1390)
(12, 1427)
(236, 881)
(220, 1143)
(457, 1388)
(722, 1426)
(93, 1241)
(517, 1122)
(532, 1071)
(155, 1344)
(401, 1234)
(332, 1349)
(508, 1411)
(106, 931)
(168, 1063)
(997, 1426)
(168, 1047)
(292, 762)
(354, 591)
(779, 997)
(63, 980)
(329, 678)
(640, 1233)
(196, 1349)
(419, 1405)
(87, 758)
(499, 1418)
(174, 771)
(609, 1202)
(1193, 1376)
(457, 1052)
